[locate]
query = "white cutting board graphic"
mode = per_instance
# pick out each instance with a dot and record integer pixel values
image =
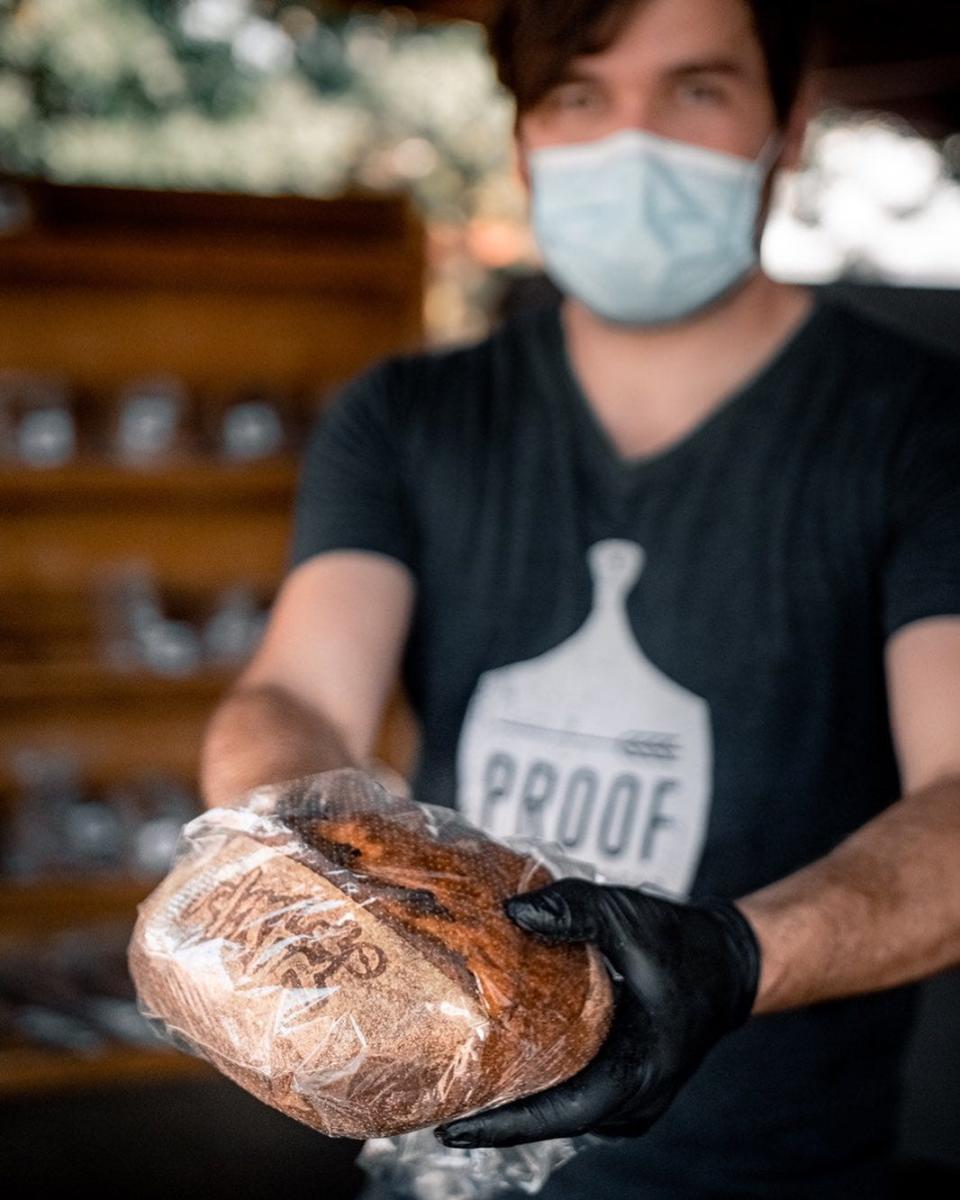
(592, 746)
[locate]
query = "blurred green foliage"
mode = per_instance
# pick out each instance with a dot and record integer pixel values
(213, 94)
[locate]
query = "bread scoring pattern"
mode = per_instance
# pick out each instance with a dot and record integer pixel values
(343, 954)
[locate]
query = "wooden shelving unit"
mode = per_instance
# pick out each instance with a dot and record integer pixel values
(35, 908)
(226, 293)
(30, 1071)
(185, 483)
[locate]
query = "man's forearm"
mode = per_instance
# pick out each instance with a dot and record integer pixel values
(880, 910)
(263, 734)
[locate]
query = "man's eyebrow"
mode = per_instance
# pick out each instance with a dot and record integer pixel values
(582, 73)
(577, 74)
(708, 66)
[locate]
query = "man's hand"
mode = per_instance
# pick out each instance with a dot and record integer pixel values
(690, 975)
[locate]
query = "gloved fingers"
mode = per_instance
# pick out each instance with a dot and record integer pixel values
(565, 909)
(596, 1095)
(574, 910)
(562, 1111)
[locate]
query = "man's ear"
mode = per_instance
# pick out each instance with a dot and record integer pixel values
(805, 107)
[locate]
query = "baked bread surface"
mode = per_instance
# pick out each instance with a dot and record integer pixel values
(343, 955)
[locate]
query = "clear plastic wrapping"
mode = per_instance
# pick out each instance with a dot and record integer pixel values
(343, 954)
(415, 1166)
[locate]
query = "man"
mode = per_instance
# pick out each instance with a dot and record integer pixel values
(673, 570)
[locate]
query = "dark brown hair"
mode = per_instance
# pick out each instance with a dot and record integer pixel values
(534, 41)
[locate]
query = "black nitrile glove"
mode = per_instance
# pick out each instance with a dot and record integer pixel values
(690, 975)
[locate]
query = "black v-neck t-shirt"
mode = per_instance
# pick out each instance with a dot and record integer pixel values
(672, 666)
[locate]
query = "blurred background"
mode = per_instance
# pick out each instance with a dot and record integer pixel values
(212, 212)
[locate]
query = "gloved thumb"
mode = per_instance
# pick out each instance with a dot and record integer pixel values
(567, 910)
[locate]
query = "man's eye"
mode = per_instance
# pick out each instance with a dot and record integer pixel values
(703, 93)
(576, 98)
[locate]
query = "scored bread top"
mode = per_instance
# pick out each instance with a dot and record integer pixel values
(344, 955)
(440, 885)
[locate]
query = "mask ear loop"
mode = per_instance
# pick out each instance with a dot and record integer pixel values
(770, 151)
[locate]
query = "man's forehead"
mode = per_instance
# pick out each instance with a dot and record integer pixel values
(663, 36)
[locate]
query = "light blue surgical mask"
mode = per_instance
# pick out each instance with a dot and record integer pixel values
(644, 229)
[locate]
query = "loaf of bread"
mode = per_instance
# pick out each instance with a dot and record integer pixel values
(343, 954)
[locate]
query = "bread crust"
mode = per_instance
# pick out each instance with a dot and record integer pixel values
(344, 955)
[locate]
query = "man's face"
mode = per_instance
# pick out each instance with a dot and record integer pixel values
(691, 70)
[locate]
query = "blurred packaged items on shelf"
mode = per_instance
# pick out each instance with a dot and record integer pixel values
(149, 420)
(62, 827)
(137, 632)
(71, 991)
(38, 425)
(251, 429)
(233, 630)
(154, 808)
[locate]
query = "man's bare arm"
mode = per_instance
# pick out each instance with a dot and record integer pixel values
(884, 907)
(881, 910)
(262, 734)
(313, 696)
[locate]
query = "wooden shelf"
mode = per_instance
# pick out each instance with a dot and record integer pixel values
(33, 910)
(200, 531)
(371, 218)
(226, 293)
(188, 482)
(46, 905)
(60, 683)
(118, 726)
(358, 246)
(29, 1071)
(223, 291)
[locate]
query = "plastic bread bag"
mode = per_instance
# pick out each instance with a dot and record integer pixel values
(343, 955)
(415, 1166)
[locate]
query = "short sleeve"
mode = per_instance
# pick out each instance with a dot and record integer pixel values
(922, 564)
(350, 493)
